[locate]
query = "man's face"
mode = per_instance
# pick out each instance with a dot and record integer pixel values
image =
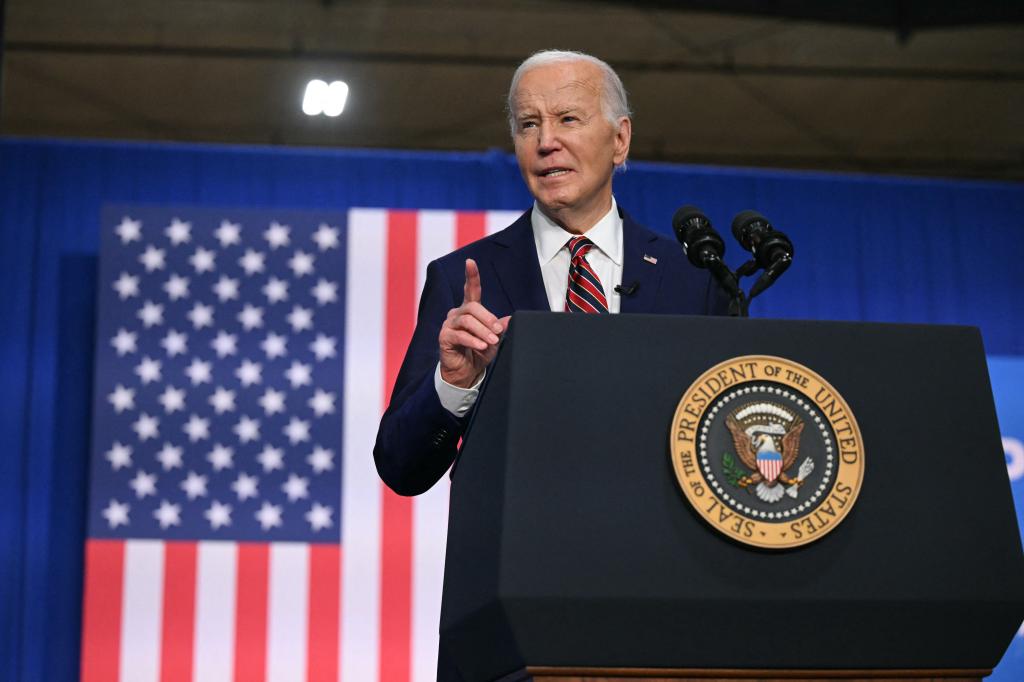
(566, 147)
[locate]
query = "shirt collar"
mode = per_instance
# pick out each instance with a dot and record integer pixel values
(606, 234)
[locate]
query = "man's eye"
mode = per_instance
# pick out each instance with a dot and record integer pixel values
(527, 124)
(569, 119)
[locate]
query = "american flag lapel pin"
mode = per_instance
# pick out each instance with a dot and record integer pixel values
(650, 259)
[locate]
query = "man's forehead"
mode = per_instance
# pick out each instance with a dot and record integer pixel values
(558, 83)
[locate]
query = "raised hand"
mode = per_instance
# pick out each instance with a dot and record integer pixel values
(469, 336)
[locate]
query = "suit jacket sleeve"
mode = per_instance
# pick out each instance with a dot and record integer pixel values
(418, 439)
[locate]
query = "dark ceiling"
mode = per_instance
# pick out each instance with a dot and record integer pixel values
(894, 87)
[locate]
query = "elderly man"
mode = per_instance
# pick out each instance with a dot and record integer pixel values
(571, 252)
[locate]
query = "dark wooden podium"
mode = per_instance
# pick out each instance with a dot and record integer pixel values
(573, 554)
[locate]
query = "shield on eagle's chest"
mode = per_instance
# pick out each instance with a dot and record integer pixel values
(770, 465)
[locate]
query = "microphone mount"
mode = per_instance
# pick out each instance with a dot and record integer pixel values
(772, 252)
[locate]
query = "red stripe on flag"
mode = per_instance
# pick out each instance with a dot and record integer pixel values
(178, 631)
(324, 613)
(396, 511)
(101, 616)
(251, 612)
(400, 297)
(469, 226)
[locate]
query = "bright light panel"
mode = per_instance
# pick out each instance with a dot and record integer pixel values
(337, 95)
(313, 102)
(321, 98)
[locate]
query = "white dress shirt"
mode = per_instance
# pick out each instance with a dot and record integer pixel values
(553, 255)
(605, 258)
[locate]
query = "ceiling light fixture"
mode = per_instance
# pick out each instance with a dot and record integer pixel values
(321, 98)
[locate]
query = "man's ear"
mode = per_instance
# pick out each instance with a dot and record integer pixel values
(623, 135)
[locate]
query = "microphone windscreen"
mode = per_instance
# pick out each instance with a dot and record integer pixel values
(684, 215)
(740, 223)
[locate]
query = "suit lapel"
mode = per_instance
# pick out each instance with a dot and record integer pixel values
(517, 267)
(637, 270)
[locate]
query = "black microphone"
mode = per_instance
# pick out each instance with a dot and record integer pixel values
(627, 290)
(704, 248)
(701, 244)
(755, 234)
(772, 250)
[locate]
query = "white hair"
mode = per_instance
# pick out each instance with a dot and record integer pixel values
(614, 102)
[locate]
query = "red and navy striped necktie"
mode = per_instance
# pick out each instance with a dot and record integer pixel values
(584, 293)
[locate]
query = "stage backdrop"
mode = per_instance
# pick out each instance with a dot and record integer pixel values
(867, 248)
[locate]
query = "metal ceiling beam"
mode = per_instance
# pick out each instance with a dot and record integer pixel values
(899, 15)
(509, 63)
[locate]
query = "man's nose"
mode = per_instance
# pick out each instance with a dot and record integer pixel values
(548, 139)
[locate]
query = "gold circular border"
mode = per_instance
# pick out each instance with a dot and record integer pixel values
(684, 439)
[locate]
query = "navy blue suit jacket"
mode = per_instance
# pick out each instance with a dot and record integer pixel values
(418, 439)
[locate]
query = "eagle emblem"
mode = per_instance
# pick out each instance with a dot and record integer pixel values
(767, 441)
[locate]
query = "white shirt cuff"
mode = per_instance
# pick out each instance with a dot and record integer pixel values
(456, 400)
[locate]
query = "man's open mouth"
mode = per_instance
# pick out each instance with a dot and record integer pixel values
(554, 172)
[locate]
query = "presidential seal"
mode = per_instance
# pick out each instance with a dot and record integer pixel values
(767, 451)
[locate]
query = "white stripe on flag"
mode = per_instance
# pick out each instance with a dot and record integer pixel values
(287, 612)
(142, 610)
(436, 237)
(430, 510)
(499, 220)
(363, 402)
(216, 571)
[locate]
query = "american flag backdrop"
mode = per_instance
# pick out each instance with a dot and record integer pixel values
(237, 527)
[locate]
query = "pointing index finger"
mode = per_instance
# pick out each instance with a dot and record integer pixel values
(471, 292)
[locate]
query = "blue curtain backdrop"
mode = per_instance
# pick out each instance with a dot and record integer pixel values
(867, 248)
